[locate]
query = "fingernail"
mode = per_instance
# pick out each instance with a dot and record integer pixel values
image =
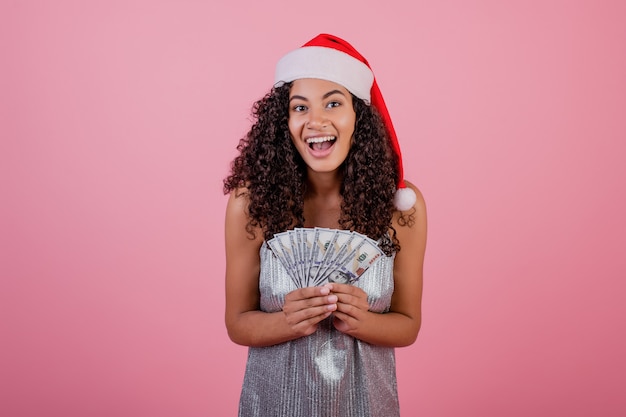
(332, 299)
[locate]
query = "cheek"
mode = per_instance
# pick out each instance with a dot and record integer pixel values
(294, 133)
(294, 127)
(348, 124)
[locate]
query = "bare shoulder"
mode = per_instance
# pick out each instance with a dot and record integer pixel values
(238, 202)
(414, 216)
(242, 259)
(410, 228)
(420, 204)
(237, 220)
(408, 269)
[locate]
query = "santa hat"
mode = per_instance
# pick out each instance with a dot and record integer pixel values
(330, 58)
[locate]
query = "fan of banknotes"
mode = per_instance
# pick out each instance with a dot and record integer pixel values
(313, 256)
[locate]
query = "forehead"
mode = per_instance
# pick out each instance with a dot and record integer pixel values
(314, 88)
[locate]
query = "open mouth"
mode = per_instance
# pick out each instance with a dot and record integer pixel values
(321, 143)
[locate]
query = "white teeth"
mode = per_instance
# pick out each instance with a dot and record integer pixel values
(320, 139)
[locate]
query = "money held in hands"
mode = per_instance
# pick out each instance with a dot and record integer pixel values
(313, 256)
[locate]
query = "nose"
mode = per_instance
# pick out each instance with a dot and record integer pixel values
(317, 119)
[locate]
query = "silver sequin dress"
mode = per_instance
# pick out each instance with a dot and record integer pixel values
(326, 374)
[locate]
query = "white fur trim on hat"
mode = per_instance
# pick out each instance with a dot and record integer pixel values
(404, 199)
(326, 64)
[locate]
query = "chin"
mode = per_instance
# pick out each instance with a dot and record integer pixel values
(324, 168)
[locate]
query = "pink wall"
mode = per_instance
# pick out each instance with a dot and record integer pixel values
(117, 123)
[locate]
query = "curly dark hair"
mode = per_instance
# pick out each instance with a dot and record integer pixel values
(273, 173)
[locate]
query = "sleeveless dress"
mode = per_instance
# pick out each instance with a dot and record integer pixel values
(326, 374)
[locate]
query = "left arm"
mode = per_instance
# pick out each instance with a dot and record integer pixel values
(400, 326)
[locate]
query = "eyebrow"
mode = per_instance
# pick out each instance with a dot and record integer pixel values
(325, 96)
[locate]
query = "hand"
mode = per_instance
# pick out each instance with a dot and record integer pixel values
(304, 308)
(352, 307)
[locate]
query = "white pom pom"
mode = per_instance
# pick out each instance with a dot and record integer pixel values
(404, 199)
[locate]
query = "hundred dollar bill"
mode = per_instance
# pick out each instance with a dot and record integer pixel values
(324, 242)
(351, 245)
(277, 250)
(295, 247)
(283, 240)
(313, 256)
(310, 246)
(356, 262)
(305, 243)
(344, 242)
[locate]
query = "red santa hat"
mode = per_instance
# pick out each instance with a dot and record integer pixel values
(330, 58)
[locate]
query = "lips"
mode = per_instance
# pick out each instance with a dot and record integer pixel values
(321, 143)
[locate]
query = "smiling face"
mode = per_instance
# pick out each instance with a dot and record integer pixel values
(321, 122)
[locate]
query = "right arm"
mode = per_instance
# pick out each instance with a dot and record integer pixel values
(246, 324)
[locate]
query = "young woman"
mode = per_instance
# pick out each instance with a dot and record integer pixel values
(322, 152)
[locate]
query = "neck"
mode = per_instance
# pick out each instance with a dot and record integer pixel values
(323, 185)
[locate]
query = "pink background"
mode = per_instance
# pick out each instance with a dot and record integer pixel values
(118, 120)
